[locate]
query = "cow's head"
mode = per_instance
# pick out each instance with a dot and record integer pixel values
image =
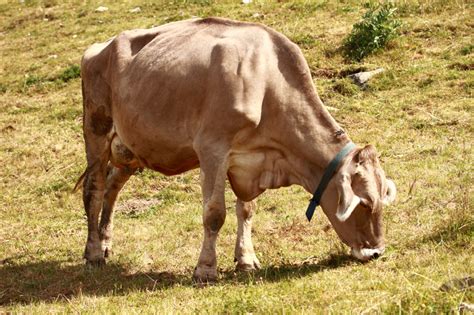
(353, 202)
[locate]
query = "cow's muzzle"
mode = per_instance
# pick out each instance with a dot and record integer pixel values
(366, 254)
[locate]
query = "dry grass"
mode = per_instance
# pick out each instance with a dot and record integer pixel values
(418, 114)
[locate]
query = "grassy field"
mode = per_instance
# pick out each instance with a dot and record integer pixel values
(418, 113)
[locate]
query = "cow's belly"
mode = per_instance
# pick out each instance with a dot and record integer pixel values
(157, 146)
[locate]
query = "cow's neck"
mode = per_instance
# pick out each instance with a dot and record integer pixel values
(312, 139)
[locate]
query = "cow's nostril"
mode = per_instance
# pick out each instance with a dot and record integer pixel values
(375, 256)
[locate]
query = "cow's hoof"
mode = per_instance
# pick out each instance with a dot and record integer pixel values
(95, 263)
(248, 263)
(204, 275)
(94, 255)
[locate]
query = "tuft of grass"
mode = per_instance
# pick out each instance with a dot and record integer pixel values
(467, 50)
(39, 82)
(71, 72)
(33, 80)
(304, 40)
(345, 87)
(377, 28)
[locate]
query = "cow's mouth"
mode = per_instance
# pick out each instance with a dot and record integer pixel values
(365, 254)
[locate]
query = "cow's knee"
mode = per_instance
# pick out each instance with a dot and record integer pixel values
(245, 209)
(214, 217)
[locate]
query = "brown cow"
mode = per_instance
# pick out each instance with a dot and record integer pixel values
(235, 99)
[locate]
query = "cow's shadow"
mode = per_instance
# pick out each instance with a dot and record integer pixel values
(56, 280)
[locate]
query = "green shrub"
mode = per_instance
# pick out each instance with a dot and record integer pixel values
(376, 29)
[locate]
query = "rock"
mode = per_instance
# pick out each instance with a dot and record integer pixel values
(461, 284)
(361, 78)
(466, 308)
(101, 9)
(58, 147)
(8, 128)
(246, 1)
(136, 10)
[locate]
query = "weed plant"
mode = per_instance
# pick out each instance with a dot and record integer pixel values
(377, 28)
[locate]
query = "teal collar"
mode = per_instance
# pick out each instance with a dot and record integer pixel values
(328, 174)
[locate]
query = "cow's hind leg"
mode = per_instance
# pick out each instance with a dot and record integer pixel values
(244, 253)
(93, 196)
(213, 176)
(116, 179)
(97, 127)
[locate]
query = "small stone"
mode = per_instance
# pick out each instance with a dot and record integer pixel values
(8, 128)
(101, 9)
(74, 36)
(136, 10)
(331, 109)
(53, 57)
(246, 1)
(465, 308)
(461, 284)
(361, 78)
(57, 148)
(256, 15)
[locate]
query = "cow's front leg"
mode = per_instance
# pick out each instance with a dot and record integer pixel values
(116, 179)
(213, 176)
(244, 252)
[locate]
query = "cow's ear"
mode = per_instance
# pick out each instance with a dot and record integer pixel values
(348, 201)
(391, 193)
(366, 154)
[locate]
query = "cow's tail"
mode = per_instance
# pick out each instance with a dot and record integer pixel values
(80, 182)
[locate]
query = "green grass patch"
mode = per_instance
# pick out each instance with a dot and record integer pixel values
(71, 72)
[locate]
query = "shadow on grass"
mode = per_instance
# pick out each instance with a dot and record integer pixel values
(57, 280)
(287, 271)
